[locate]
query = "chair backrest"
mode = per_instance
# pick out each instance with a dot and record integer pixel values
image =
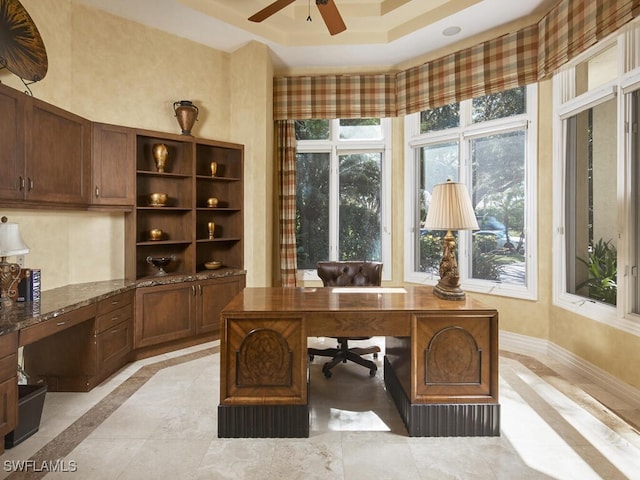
(350, 274)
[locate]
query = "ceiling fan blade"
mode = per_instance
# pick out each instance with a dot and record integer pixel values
(270, 10)
(331, 17)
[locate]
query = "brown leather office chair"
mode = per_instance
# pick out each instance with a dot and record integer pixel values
(348, 274)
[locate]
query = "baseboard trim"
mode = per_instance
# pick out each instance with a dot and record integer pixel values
(517, 343)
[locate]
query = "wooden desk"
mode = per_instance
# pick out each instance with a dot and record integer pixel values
(440, 365)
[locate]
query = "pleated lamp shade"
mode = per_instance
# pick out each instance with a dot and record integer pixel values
(451, 208)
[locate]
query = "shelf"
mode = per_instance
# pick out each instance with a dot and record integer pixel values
(218, 209)
(163, 242)
(165, 174)
(164, 209)
(217, 178)
(221, 239)
(188, 183)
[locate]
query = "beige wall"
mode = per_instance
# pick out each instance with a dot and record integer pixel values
(111, 70)
(115, 71)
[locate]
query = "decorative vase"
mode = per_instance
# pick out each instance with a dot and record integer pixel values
(160, 263)
(160, 154)
(187, 114)
(212, 229)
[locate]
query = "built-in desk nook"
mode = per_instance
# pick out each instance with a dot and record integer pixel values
(76, 336)
(440, 364)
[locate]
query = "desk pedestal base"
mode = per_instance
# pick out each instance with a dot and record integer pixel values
(443, 420)
(263, 421)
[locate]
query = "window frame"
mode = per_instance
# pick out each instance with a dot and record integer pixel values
(464, 134)
(565, 105)
(336, 147)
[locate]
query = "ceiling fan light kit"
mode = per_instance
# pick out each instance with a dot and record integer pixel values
(327, 8)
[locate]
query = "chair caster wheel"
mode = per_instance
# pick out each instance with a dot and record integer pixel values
(327, 372)
(311, 358)
(375, 355)
(372, 372)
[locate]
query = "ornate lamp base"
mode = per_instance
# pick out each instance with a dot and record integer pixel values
(448, 288)
(9, 276)
(448, 292)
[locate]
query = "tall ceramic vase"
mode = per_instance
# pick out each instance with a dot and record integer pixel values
(187, 114)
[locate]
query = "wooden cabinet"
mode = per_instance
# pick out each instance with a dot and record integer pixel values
(113, 149)
(113, 334)
(12, 124)
(47, 155)
(211, 297)
(164, 313)
(185, 219)
(8, 384)
(58, 155)
(79, 349)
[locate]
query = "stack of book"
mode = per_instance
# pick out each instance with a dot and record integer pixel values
(29, 285)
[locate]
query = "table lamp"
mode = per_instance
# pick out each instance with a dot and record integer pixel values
(450, 209)
(11, 243)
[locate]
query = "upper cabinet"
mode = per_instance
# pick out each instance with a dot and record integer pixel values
(58, 155)
(46, 152)
(113, 162)
(12, 123)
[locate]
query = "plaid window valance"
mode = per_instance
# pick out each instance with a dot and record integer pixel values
(575, 25)
(526, 56)
(496, 65)
(334, 96)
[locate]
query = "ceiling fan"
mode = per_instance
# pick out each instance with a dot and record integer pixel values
(327, 8)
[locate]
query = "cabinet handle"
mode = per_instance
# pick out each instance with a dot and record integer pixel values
(59, 324)
(115, 331)
(116, 317)
(200, 290)
(97, 192)
(193, 290)
(21, 183)
(30, 183)
(115, 302)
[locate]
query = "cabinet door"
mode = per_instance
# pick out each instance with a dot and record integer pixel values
(8, 406)
(8, 384)
(58, 166)
(212, 296)
(11, 143)
(164, 313)
(112, 165)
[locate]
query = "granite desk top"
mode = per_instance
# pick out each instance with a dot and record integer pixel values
(61, 300)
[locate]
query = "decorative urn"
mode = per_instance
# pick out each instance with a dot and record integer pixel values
(186, 114)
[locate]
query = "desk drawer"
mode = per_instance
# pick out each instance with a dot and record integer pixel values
(114, 345)
(114, 303)
(114, 317)
(357, 324)
(54, 325)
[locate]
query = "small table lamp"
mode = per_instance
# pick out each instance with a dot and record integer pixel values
(11, 243)
(450, 209)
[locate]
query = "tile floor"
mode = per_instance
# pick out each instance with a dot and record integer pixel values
(156, 419)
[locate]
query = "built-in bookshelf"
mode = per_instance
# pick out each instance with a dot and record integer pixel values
(201, 220)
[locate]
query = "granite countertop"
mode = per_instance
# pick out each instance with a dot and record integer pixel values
(61, 300)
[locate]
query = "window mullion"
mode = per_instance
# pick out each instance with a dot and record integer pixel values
(334, 203)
